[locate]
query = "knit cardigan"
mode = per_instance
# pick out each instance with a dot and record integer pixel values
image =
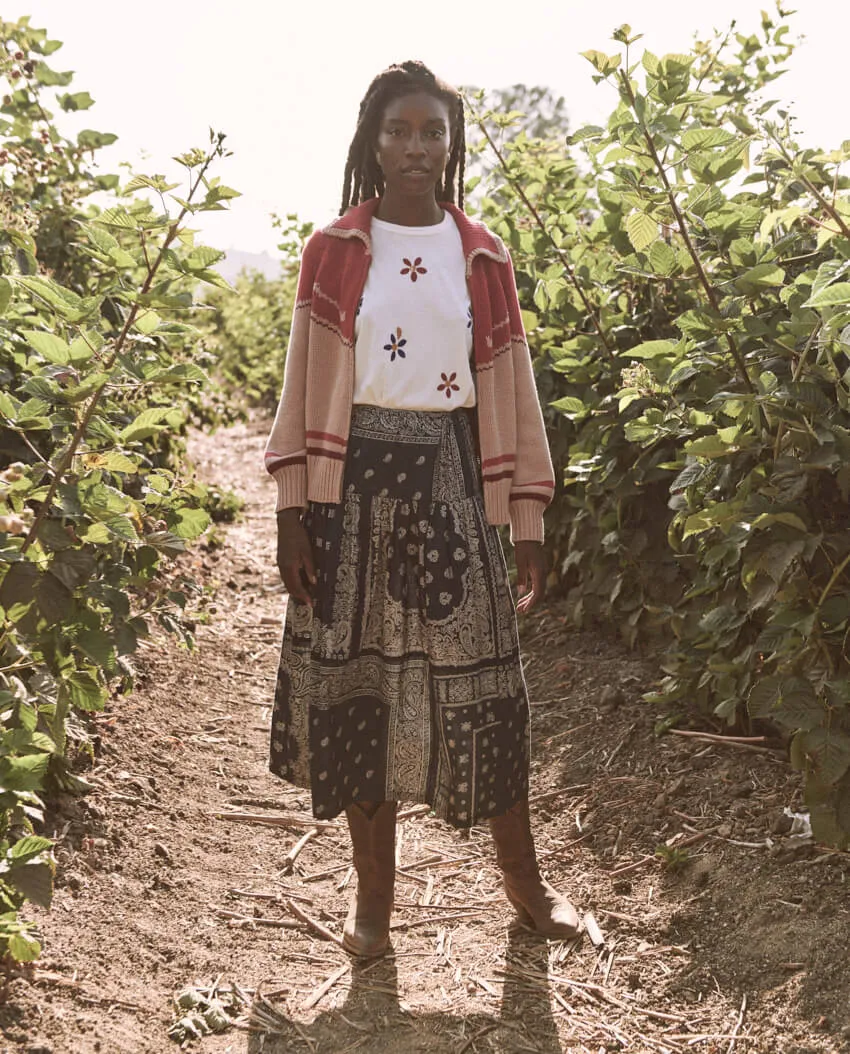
(306, 449)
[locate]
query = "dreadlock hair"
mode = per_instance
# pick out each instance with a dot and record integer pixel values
(363, 177)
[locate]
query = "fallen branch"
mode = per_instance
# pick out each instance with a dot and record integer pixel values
(478, 1035)
(314, 924)
(741, 742)
(292, 855)
(738, 1024)
(414, 810)
(325, 987)
(238, 918)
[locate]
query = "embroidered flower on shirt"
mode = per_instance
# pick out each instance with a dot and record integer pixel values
(448, 386)
(413, 269)
(360, 305)
(396, 344)
(468, 316)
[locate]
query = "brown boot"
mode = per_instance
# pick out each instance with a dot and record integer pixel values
(537, 903)
(367, 927)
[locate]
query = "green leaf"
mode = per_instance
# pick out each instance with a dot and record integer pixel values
(190, 523)
(202, 257)
(762, 276)
(763, 697)
(5, 294)
(834, 295)
(570, 406)
(149, 422)
(84, 691)
(828, 753)
(642, 230)
(663, 259)
(180, 373)
(35, 881)
(29, 846)
(118, 217)
(603, 63)
(99, 647)
(48, 345)
(650, 349)
(147, 321)
(23, 948)
(73, 567)
(24, 773)
(709, 446)
(705, 138)
(80, 100)
(64, 302)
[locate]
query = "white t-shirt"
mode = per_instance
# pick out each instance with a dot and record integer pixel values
(413, 331)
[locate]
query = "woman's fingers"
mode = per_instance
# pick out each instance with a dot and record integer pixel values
(307, 562)
(531, 574)
(294, 582)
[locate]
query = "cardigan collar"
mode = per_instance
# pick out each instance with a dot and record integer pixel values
(475, 238)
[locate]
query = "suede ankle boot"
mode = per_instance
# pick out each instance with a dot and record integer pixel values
(367, 927)
(538, 905)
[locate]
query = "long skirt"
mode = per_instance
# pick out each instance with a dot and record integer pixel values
(403, 681)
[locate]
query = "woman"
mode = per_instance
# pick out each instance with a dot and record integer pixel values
(408, 428)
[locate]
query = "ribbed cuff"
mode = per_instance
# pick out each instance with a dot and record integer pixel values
(526, 521)
(291, 483)
(325, 475)
(496, 501)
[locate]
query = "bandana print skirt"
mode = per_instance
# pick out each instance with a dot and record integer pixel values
(404, 681)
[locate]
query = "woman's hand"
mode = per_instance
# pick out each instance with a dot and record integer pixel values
(295, 556)
(530, 570)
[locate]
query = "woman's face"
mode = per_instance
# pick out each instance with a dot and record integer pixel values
(413, 144)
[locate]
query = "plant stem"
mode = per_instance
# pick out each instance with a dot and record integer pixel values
(780, 431)
(836, 574)
(827, 206)
(710, 291)
(568, 268)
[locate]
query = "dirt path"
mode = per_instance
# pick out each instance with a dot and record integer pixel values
(737, 942)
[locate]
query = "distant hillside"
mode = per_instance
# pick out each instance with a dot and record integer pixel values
(236, 261)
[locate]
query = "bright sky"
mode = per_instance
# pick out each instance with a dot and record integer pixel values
(284, 80)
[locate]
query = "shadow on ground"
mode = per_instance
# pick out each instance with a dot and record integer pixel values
(373, 1017)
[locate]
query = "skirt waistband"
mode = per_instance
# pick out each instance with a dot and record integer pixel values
(413, 455)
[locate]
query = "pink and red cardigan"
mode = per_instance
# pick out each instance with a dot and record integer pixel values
(306, 450)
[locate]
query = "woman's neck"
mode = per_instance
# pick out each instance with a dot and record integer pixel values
(409, 212)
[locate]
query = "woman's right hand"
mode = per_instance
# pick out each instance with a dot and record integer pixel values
(295, 556)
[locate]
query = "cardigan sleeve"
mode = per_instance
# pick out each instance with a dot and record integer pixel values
(533, 483)
(285, 455)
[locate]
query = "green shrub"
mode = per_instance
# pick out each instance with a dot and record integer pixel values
(247, 328)
(686, 274)
(97, 372)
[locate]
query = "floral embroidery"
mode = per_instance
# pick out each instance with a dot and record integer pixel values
(448, 386)
(413, 269)
(468, 316)
(359, 306)
(396, 344)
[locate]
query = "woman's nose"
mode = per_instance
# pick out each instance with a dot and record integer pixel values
(415, 145)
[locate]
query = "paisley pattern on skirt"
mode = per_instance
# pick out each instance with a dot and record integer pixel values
(404, 680)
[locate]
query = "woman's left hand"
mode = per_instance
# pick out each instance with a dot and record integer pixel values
(530, 572)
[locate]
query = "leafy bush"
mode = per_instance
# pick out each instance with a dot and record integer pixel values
(97, 375)
(247, 328)
(685, 271)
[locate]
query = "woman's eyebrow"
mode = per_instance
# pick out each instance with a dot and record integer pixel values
(403, 120)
